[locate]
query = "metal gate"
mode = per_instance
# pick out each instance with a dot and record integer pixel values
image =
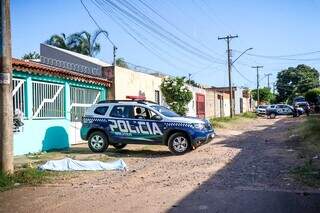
(200, 105)
(80, 100)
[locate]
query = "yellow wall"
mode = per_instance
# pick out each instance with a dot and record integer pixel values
(128, 82)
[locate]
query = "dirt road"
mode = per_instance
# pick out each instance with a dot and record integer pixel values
(244, 169)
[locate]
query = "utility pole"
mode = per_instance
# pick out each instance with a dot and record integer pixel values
(273, 87)
(228, 38)
(189, 77)
(114, 55)
(268, 77)
(114, 63)
(258, 95)
(6, 116)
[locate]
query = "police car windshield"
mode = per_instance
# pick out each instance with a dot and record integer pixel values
(165, 111)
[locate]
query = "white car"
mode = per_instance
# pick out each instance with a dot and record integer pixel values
(261, 109)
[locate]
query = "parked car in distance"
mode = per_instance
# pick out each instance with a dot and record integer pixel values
(303, 106)
(298, 99)
(261, 109)
(282, 109)
(119, 123)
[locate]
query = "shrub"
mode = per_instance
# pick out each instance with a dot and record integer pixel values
(176, 94)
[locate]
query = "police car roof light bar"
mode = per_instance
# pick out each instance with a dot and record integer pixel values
(118, 101)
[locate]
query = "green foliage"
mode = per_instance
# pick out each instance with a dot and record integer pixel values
(81, 42)
(31, 55)
(296, 81)
(309, 137)
(121, 63)
(28, 176)
(221, 122)
(265, 94)
(176, 94)
(312, 95)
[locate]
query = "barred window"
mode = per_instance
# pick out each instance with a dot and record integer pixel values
(157, 96)
(18, 95)
(81, 100)
(48, 100)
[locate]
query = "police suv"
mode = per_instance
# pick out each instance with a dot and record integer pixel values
(119, 123)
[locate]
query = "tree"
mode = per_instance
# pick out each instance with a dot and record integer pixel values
(176, 94)
(296, 81)
(121, 63)
(31, 55)
(60, 41)
(81, 42)
(312, 96)
(265, 94)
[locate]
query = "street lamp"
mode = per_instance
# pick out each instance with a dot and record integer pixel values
(241, 55)
(230, 88)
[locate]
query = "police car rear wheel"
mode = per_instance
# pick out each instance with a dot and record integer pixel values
(98, 142)
(119, 145)
(178, 143)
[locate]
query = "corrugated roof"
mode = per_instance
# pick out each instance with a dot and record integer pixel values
(41, 69)
(81, 56)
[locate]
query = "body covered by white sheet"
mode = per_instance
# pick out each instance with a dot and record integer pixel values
(68, 164)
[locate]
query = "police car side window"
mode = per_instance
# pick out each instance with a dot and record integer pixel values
(101, 110)
(121, 111)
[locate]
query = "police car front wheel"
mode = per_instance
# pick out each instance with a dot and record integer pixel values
(98, 142)
(178, 143)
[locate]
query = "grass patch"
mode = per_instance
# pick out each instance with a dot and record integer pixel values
(309, 138)
(307, 174)
(309, 133)
(26, 176)
(222, 122)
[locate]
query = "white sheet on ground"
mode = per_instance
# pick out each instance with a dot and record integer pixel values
(68, 164)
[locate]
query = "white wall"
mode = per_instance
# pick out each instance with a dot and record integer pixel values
(238, 93)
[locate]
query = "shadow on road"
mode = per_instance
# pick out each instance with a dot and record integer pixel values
(256, 180)
(126, 152)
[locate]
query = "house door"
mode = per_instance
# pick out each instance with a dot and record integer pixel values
(241, 105)
(200, 105)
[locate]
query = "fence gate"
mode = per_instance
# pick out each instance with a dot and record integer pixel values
(80, 100)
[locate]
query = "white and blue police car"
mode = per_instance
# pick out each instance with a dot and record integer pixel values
(122, 122)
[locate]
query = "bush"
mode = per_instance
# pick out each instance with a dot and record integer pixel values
(312, 95)
(176, 94)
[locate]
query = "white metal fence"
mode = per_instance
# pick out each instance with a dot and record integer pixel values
(48, 100)
(18, 95)
(81, 100)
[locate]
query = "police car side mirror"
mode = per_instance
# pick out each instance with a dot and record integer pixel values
(156, 117)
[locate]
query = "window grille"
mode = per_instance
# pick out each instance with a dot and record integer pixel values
(18, 95)
(48, 100)
(157, 96)
(81, 100)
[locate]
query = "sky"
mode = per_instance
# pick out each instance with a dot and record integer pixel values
(271, 28)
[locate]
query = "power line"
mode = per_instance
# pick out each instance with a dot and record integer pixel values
(243, 76)
(257, 67)
(142, 40)
(131, 12)
(175, 27)
(283, 58)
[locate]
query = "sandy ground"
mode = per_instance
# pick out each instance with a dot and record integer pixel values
(244, 169)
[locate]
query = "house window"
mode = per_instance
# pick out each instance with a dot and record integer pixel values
(18, 95)
(157, 96)
(81, 100)
(48, 100)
